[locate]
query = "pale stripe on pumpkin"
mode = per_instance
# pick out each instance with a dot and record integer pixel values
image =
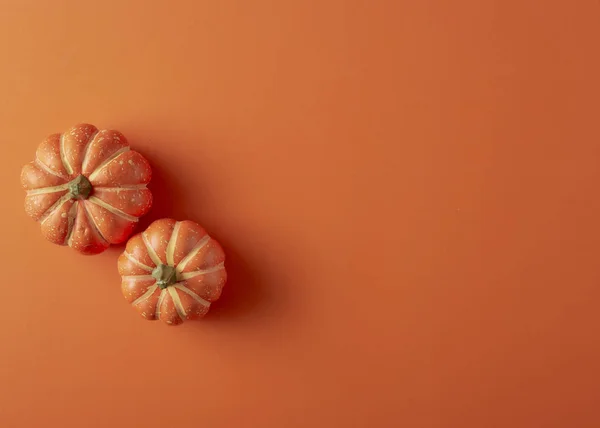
(46, 168)
(172, 242)
(151, 251)
(137, 277)
(161, 298)
(181, 266)
(197, 298)
(108, 207)
(86, 151)
(44, 190)
(189, 275)
(146, 295)
(111, 158)
(71, 224)
(121, 188)
(56, 205)
(177, 303)
(63, 157)
(137, 262)
(92, 222)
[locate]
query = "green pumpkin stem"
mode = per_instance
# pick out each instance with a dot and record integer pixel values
(80, 187)
(165, 275)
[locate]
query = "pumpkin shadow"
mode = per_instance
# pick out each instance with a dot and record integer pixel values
(243, 294)
(169, 196)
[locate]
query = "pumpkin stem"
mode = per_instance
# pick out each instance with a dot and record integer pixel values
(165, 275)
(80, 187)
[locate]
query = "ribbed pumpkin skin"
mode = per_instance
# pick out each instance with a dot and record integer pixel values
(87, 188)
(172, 271)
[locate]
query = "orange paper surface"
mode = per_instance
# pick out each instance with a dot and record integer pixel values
(406, 191)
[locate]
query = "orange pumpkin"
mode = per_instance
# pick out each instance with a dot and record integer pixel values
(172, 271)
(87, 188)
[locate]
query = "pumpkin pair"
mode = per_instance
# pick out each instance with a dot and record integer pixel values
(88, 189)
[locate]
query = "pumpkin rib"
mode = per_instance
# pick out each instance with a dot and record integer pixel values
(86, 151)
(137, 277)
(63, 157)
(45, 190)
(120, 188)
(71, 223)
(133, 202)
(97, 201)
(93, 224)
(48, 154)
(110, 159)
(203, 241)
(146, 295)
(34, 177)
(197, 298)
(170, 251)
(137, 262)
(47, 169)
(72, 145)
(177, 303)
(54, 207)
(36, 205)
(189, 275)
(151, 252)
(161, 298)
(71, 235)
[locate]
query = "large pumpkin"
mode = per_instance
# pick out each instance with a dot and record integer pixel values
(87, 188)
(172, 271)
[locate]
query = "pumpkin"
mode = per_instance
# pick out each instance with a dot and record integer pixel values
(172, 271)
(87, 188)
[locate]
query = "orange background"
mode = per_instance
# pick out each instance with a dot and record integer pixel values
(407, 192)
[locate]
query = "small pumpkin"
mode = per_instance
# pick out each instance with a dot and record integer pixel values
(172, 271)
(87, 188)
